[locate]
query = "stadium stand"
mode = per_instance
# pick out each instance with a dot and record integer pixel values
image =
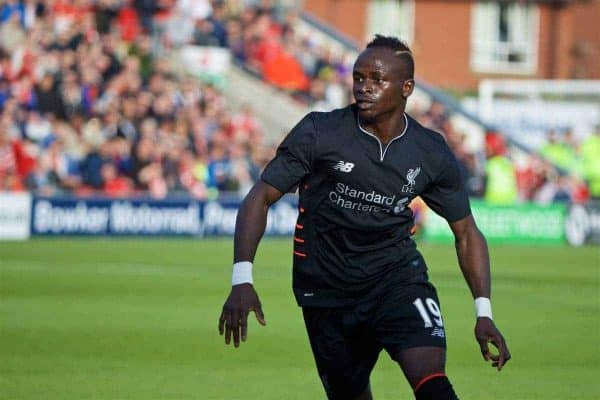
(88, 108)
(92, 104)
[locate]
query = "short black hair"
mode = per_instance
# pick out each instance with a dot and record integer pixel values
(399, 47)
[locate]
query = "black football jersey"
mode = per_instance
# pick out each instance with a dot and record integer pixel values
(354, 223)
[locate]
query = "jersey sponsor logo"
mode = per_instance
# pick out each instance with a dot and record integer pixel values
(343, 166)
(400, 205)
(410, 177)
(345, 196)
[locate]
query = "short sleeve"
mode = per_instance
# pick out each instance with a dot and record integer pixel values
(447, 195)
(294, 157)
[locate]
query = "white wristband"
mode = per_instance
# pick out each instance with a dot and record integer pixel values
(242, 273)
(483, 307)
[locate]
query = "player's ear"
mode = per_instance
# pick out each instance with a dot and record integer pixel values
(408, 87)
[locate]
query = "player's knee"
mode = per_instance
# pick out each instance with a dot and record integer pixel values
(346, 389)
(435, 387)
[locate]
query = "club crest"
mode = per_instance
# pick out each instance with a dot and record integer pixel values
(410, 177)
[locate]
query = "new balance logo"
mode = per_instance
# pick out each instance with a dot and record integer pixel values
(438, 332)
(344, 166)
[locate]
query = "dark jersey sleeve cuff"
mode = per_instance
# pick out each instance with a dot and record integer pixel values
(458, 216)
(277, 184)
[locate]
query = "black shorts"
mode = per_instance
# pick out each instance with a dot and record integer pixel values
(346, 342)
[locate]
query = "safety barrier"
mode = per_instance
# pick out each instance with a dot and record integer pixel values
(23, 215)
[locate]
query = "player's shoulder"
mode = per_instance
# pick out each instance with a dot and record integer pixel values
(321, 128)
(326, 120)
(430, 140)
(424, 134)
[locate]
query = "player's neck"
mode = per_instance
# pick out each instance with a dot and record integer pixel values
(386, 128)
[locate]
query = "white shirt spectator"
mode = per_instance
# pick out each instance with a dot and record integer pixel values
(196, 9)
(37, 128)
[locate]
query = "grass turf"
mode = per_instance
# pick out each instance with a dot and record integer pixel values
(137, 319)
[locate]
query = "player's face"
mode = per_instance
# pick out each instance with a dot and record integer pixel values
(381, 83)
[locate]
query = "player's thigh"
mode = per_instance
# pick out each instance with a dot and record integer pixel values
(420, 362)
(409, 321)
(410, 316)
(344, 351)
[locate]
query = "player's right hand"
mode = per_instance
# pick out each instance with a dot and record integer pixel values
(234, 318)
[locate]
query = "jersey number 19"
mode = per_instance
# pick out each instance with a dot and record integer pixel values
(434, 310)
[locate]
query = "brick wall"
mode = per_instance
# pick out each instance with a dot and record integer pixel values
(568, 41)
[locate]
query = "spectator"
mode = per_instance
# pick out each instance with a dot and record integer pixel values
(145, 9)
(284, 71)
(9, 176)
(128, 23)
(204, 33)
(530, 176)
(48, 98)
(42, 179)
(590, 150)
(38, 129)
(559, 151)
(501, 186)
(219, 169)
(144, 160)
(114, 185)
(92, 165)
(11, 9)
(12, 34)
(240, 170)
(193, 175)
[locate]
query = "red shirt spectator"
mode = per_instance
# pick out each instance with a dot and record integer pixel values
(129, 24)
(115, 185)
(9, 178)
(285, 72)
(264, 52)
(25, 157)
(68, 12)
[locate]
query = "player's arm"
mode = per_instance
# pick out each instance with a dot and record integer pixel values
(249, 229)
(291, 164)
(474, 261)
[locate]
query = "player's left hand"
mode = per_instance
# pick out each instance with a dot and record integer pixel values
(486, 332)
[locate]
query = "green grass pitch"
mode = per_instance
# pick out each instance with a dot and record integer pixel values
(137, 319)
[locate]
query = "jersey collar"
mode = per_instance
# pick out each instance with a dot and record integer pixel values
(382, 149)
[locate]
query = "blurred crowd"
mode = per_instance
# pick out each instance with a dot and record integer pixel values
(563, 171)
(579, 161)
(267, 42)
(264, 37)
(87, 106)
(91, 104)
(517, 176)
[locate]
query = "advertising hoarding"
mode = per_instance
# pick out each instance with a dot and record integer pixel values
(15, 214)
(521, 223)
